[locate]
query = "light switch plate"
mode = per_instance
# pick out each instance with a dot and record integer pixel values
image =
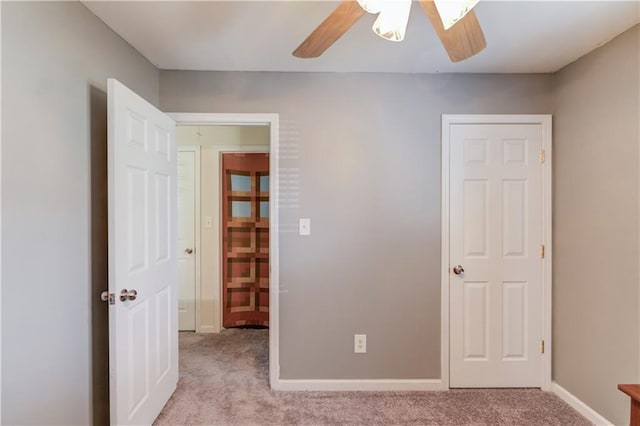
(305, 226)
(208, 221)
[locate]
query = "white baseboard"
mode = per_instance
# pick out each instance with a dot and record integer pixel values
(359, 385)
(207, 329)
(582, 408)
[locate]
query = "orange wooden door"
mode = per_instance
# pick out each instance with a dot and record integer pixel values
(245, 239)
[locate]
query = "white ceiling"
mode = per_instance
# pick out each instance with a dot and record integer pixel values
(522, 36)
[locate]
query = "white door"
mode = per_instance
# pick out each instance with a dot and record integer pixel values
(495, 236)
(143, 324)
(186, 240)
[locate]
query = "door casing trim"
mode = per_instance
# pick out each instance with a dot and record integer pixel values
(545, 121)
(273, 121)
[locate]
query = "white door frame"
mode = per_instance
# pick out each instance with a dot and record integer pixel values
(545, 121)
(272, 120)
(196, 242)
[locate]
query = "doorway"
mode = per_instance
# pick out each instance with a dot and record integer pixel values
(209, 319)
(208, 146)
(496, 251)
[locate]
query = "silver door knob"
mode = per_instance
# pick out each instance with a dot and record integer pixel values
(128, 295)
(188, 250)
(458, 270)
(105, 296)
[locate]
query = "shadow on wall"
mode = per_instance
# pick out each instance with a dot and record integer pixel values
(99, 256)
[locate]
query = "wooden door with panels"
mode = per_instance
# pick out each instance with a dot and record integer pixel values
(495, 280)
(245, 239)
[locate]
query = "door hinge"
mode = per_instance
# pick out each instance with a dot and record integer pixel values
(542, 156)
(541, 346)
(541, 251)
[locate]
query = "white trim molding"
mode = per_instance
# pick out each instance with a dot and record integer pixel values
(545, 121)
(273, 121)
(589, 413)
(360, 385)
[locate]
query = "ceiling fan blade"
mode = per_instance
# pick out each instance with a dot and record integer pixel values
(461, 41)
(330, 30)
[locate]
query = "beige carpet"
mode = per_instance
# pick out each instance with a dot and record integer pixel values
(223, 381)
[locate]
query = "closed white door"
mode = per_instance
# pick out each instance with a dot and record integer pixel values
(143, 321)
(495, 237)
(186, 240)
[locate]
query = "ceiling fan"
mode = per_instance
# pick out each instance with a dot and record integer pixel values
(454, 21)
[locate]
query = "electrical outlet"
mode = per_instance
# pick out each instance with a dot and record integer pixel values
(360, 343)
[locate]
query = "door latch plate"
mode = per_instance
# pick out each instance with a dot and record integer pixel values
(105, 296)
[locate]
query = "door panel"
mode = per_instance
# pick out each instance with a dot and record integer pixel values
(143, 334)
(476, 320)
(514, 329)
(495, 234)
(186, 241)
(245, 241)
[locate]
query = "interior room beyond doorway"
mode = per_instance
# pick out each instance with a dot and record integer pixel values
(201, 149)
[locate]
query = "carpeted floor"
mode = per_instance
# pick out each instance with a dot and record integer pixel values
(224, 381)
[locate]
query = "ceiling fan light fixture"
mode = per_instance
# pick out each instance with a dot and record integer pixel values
(391, 23)
(371, 6)
(451, 11)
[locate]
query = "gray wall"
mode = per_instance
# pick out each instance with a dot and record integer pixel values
(596, 279)
(369, 169)
(56, 58)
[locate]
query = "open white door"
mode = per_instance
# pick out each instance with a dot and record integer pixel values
(186, 243)
(143, 323)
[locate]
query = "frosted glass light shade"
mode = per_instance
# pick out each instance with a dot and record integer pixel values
(451, 11)
(371, 6)
(392, 21)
